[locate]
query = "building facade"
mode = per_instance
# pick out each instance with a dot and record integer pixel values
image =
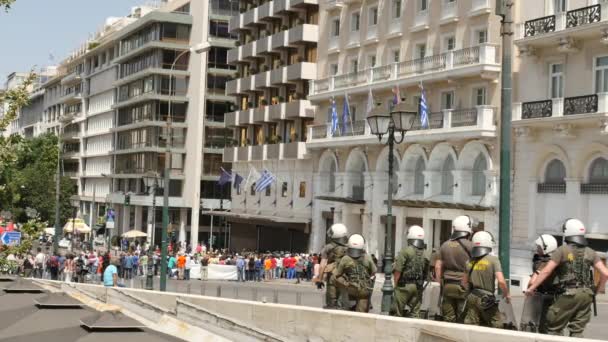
(560, 123)
(275, 60)
(370, 51)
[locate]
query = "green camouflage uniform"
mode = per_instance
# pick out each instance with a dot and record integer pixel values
(481, 308)
(333, 252)
(413, 264)
(354, 276)
(572, 308)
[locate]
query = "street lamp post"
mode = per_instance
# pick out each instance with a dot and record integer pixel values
(400, 120)
(151, 180)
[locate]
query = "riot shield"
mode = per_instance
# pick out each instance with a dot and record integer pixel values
(429, 307)
(508, 316)
(530, 316)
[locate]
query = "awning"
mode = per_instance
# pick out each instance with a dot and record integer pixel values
(347, 200)
(259, 218)
(440, 205)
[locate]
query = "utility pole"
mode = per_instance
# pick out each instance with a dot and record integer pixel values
(504, 8)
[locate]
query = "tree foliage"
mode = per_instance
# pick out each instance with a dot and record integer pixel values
(6, 4)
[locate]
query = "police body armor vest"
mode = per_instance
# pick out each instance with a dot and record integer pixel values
(359, 279)
(414, 271)
(577, 271)
(337, 252)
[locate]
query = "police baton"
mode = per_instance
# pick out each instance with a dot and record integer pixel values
(594, 306)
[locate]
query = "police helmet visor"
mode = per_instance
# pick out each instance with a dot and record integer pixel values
(478, 252)
(577, 239)
(416, 243)
(458, 234)
(354, 253)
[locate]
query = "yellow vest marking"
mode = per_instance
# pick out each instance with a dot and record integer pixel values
(570, 257)
(481, 265)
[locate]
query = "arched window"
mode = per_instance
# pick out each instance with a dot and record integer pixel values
(447, 177)
(598, 172)
(332, 177)
(419, 176)
(479, 177)
(555, 172)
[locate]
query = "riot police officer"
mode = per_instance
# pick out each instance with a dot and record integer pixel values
(355, 272)
(410, 271)
(482, 272)
(454, 255)
(330, 257)
(573, 265)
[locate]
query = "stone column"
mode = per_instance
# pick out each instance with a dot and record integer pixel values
(138, 214)
(374, 244)
(400, 229)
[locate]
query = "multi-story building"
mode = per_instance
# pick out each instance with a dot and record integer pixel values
(275, 59)
(560, 123)
(448, 47)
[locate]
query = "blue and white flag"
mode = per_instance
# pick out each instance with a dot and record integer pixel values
(237, 180)
(334, 118)
(345, 113)
(424, 109)
(225, 177)
(265, 181)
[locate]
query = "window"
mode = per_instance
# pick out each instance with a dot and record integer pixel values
(598, 172)
(447, 177)
(284, 189)
(332, 178)
(420, 51)
(559, 6)
(354, 65)
(302, 189)
(419, 176)
(333, 69)
(335, 29)
(371, 62)
(481, 36)
(479, 176)
(396, 9)
(601, 74)
(447, 100)
(555, 172)
(373, 16)
(355, 19)
(449, 43)
(479, 96)
(557, 80)
(396, 56)
(423, 5)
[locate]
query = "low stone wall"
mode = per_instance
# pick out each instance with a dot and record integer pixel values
(297, 323)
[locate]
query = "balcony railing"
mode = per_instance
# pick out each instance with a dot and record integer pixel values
(481, 54)
(478, 117)
(594, 189)
(562, 21)
(551, 188)
(558, 107)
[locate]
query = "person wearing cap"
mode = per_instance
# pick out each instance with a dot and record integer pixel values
(410, 271)
(451, 263)
(573, 264)
(483, 271)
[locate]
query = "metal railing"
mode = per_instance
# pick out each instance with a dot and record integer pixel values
(551, 188)
(581, 104)
(435, 121)
(583, 16)
(420, 65)
(594, 189)
(537, 109)
(539, 26)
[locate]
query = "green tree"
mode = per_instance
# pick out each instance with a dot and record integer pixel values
(6, 4)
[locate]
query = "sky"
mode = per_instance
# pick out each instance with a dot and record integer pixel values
(34, 29)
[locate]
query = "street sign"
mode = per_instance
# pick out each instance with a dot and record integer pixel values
(11, 238)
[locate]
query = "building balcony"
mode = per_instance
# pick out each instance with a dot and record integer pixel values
(276, 112)
(331, 5)
(72, 78)
(282, 151)
(262, 114)
(421, 21)
(480, 7)
(559, 109)
(282, 75)
(469, 123)
(468, 62)
(71, 98)
(579, 23)
(243, 153)
(229, 154)
(449, 12)
(267, 11)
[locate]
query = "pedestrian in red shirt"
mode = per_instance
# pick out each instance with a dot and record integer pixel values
(273, 266)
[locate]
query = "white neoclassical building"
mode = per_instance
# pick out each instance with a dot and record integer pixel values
(560, 123)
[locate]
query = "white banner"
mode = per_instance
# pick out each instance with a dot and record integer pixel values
(215, 272)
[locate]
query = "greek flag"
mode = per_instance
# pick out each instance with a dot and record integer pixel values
(345, 113)
(334, 118)
(265, 181)
(424, 109)
(225, 177)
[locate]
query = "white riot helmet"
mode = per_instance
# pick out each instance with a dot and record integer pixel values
(356, 245)
(574, 231)
(482, 244)
(462, 226)
(338, 232)
(547, 243)
(415, 236)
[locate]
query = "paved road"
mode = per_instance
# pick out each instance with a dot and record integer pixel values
(306, 294)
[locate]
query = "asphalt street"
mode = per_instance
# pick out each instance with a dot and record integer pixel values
(287, 292)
